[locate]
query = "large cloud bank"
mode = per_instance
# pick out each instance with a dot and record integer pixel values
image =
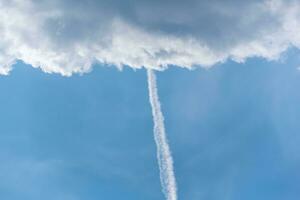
(66, 36)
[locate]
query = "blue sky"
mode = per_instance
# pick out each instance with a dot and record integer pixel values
(233, 130)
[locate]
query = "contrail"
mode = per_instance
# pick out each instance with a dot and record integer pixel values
(165, 161)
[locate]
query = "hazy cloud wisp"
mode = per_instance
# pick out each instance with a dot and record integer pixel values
(164, 156)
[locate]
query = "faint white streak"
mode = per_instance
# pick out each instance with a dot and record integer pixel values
(164, 156)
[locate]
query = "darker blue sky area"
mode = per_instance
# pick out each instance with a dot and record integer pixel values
(233, 131)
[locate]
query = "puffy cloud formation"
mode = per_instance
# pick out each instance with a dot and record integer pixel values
(65, 36)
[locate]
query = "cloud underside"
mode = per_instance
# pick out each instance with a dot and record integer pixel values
(66, 37)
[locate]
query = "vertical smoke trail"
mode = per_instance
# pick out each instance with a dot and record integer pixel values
(164, 156)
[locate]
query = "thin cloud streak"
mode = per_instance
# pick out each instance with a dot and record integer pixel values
(165, 160)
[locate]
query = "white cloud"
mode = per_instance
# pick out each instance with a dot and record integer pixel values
(68, 37)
